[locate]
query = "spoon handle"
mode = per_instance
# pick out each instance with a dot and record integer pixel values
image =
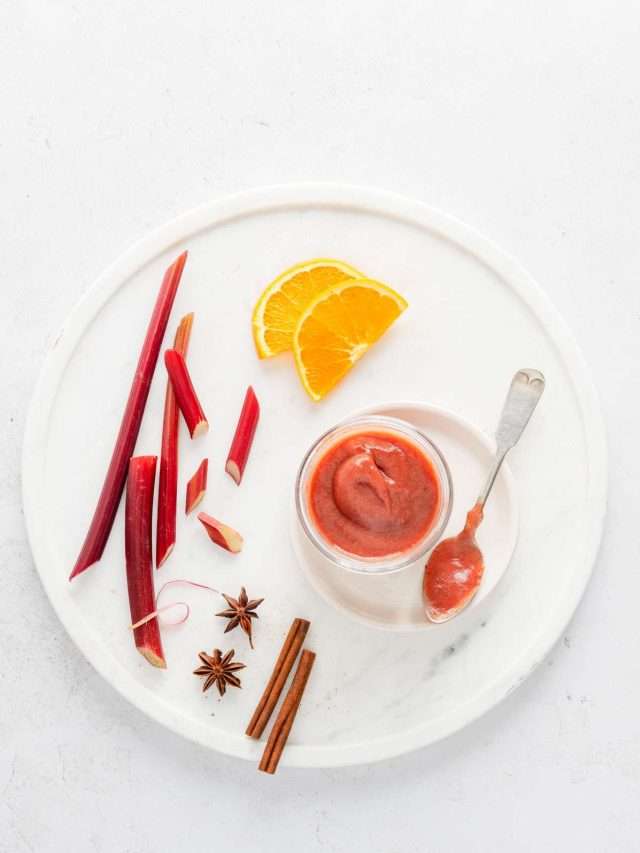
(525, 391)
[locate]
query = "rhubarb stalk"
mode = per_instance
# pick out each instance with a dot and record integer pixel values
(105, 512)
(223, 535)
(168, 480)
(185, 393)
(243, 438)
(137, 545)
(197, 486)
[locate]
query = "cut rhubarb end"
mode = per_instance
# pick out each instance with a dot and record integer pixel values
(197, 486)
(200, 428)
(193, 500)
(82, 566)
(138, 553)
(183, 334)
(116, 476)
(186, 396)
(168, 481)
(161, 558)
(223, 535)
(153, 658)
(243, 437)
(233, 471)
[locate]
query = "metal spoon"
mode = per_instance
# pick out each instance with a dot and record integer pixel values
(454, 570)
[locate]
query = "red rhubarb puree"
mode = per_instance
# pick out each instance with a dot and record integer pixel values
(374, 494)
(454, 570)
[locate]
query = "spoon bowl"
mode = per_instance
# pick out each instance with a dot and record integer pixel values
(454, 571)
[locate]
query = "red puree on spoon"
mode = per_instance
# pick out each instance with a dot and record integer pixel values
(454, 570)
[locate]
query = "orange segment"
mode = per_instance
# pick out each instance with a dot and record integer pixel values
(338, 328)
(282, 302)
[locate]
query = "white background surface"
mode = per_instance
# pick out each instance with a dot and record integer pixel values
(522, 119)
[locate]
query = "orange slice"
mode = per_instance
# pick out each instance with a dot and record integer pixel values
(337, 329)
(282, 302)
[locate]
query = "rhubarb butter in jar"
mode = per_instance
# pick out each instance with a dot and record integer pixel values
(374, 494)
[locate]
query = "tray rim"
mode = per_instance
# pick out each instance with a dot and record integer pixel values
(330, 195)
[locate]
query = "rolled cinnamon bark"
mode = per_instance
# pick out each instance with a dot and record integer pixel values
(287, 714)
(283, 666)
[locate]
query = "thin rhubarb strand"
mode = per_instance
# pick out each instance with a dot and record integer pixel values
(243, 438)
(186, 396)
(197, 486)
(168, 480)
(138, 551)
(155, 613)
(114, 482)
(165, 607)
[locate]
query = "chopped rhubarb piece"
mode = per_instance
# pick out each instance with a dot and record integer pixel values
(105, 512)
(243, 438)
(197, 486)
(185, 393)
(137, 545)
(223, 535)
(168, 481)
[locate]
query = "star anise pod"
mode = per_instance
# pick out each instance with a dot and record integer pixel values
(241, 611)
(219, 670)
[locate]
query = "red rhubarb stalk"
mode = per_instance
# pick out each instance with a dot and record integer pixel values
(243, 438)
(137, 546)
(223, 535)
(185, 393)
(105, 512)
(168, 481)
(197, 486)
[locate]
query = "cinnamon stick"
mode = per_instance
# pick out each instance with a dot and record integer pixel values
(283, 666)
(284, 721)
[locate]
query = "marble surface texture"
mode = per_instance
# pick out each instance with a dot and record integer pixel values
(522, 119)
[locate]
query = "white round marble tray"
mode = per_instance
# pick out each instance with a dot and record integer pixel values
(394, 602)
(475, 316)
